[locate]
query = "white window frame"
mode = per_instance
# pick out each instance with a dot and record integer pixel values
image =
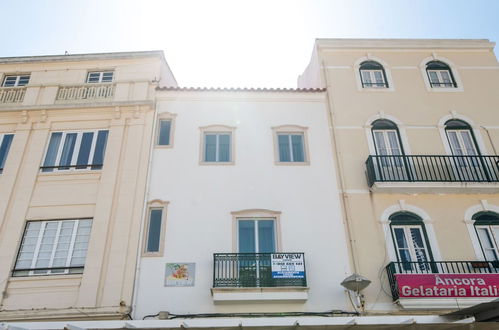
(165, 117)
(460, 140)
(101, 75)
(53, 251)
(18, 78)
(217, 130)
(455, 73)
(372, 79)
(410, 242)
(387, 76)
(441, 83)
(155, 205)
(256, 235)
(291, 130)
(73, 163)
(494, 239)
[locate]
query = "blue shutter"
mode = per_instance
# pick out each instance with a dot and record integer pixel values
(50, 157)
(84, 153)
(100, 150)
(4, 149)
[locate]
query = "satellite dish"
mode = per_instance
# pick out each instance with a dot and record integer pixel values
(355, 282)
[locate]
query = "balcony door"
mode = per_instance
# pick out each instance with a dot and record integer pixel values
(389, 151)
(411, 243)
(256, 240)
(487, 229)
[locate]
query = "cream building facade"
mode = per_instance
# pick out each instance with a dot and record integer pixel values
(416, 134)
(75, 136)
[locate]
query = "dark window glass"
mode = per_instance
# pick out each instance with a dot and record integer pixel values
(154, 230)
(4, 149)
(164, 132)
(100, 150)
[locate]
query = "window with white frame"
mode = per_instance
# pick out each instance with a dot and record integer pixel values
(217, 147)
(16, 80)
(75, 150)
(155, 229)
(410, 241)
(97, 77)
(164, 132)
(5, 142)
(487, 229)
(440, 75)
(53, 247)
(372, 75)
(290, 145)
(256, 235)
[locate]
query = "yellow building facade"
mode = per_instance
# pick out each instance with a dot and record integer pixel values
(415, 127)
(66, 215)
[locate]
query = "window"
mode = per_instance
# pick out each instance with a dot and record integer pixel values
(154, 229)
(487, 229)
(461, 139)
(164, 132)
(217, 145)
(440, 75)
(410, 241)
(53, 247)
(75, 150)
(15, 80)
(372, 75)
(5, 142)
(100, 77)
(387, 142)
(256, 236)
(290, 144)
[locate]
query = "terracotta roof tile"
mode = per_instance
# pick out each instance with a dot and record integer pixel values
(238, 89)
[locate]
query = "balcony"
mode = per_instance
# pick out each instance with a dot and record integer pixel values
(254, 276)
(12, 94)
(85, 93)
(443, 284)
(423, 173)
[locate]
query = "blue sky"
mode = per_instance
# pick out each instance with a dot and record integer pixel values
(256, 43)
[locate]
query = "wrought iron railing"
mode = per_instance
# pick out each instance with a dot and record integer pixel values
(12, 94)
(423, 168)
(448, 84)
(437, 267)
(90, 92)
(249, 270)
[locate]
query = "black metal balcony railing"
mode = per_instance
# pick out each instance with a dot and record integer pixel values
(375, 84)
(437, 267)
(432, 168)
(232, 270)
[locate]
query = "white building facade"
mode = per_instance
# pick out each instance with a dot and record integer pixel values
(236, 176)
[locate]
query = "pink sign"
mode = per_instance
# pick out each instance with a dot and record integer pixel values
(447, 285)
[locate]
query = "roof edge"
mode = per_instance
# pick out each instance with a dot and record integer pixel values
(405, 43)
(82, 57)
(239, 89)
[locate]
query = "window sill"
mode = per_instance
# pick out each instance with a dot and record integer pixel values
(160, 146)
(231, 295)
(307, 163)
(83, 174)
(44, 277)
(445, 89)
(216, 163)
(378, 89)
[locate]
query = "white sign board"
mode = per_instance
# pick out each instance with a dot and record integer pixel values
(288, 265)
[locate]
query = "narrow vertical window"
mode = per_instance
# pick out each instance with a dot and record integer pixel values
(5, 142)
(154, 229)
(487, 229)
(164, 132)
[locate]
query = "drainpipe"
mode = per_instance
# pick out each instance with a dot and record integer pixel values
(340, 174)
